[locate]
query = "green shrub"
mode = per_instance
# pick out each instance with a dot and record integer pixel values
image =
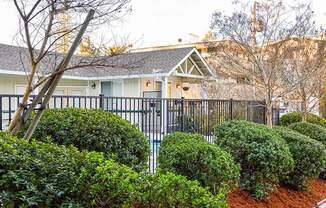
(170, 190)
(312, 130)
(192, 156)
(294, 117)
(95, 130)
(112, 185)
(309, 157)
(263, 155)
(37, 174)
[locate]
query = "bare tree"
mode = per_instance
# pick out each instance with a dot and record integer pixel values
(254, 46)
(42, 34)
(306, 64)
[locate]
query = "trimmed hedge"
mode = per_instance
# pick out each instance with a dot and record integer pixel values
(294, 117)
(37, 174)
(309, 157)
(314, 131)
(264, 157)
(170, 190)
(95, 130)
(192, 156)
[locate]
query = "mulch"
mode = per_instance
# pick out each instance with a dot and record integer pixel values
(281, 198)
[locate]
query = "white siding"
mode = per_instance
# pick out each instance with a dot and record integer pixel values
(131, 88)
(14, 84)
(8, 83)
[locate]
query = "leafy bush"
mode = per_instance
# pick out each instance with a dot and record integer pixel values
(263, 155)
(294, 117)
(95, 130)
(170, 190)
(312, 130)
(192, 156)
(309, 157)
(37, 174)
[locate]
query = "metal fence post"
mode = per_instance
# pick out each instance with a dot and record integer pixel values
(182, 114)
(231, 109)
(101, 101)
(0, 113)
(264, 111)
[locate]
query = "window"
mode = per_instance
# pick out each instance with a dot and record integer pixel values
(112, 88)
(20, 89)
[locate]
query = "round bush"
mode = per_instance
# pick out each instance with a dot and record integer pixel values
(314, 131)
(118, 186)
(95, 130)
(170, 190)
(38, 174)
(309, 157)
(263, 155)
(294, 117)
(192, 156)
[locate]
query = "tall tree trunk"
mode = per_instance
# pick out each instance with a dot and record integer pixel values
(304, 110)
(269, 114)
(304, 105)
(54, 82)
(17, 121)
(269, 109)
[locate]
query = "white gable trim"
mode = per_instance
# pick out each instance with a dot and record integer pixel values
(189, 56)
(197, 67)
(188, 75)
(183, 60)
(205, 63)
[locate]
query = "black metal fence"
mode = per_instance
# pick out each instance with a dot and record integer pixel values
(155, 117)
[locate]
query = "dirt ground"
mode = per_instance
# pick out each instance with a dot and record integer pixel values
(282, 198)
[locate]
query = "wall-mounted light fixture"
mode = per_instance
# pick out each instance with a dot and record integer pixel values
(178, 86)
(148, 83)
(186, 88)
(93, 85)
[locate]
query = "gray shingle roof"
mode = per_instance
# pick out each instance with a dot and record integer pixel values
(15, 58)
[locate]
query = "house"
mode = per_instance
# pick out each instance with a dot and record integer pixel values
(224, 86)
(168, 73)
(231, 85)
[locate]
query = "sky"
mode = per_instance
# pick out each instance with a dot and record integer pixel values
(153, 22)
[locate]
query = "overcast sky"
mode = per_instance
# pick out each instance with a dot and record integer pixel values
(153, 22)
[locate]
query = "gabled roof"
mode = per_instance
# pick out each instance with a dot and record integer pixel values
(151, 63)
